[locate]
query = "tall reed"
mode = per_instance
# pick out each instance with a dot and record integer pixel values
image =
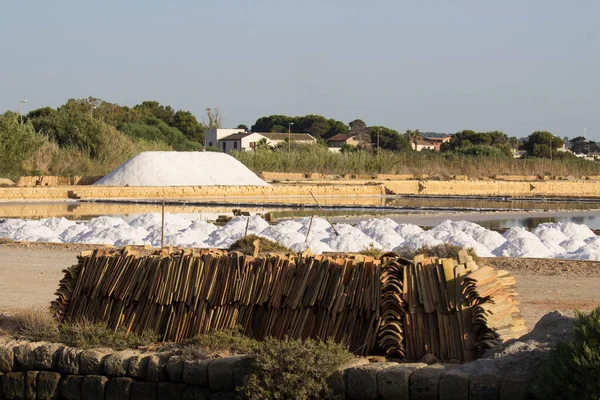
(311, 159)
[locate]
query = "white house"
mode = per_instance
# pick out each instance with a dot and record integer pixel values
(240, 140)
(213, 135)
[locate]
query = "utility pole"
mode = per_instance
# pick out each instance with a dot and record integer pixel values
(21, 110)
(290, 137)
(378, 140)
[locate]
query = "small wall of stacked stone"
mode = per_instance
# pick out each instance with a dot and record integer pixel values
(36, 370)
(57, 180)
(32, 370)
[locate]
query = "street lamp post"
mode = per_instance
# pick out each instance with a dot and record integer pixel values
(290, 137)
(21, 110)
(92, 111)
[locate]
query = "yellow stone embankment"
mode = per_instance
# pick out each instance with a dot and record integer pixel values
(497, 188)
(341, 189)
(186, 192)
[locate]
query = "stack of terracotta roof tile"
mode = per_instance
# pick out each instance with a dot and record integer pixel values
(406, 308)
(182, 293)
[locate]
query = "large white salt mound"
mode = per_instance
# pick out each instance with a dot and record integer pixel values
(383, 231)
(415, 242)
(589, 252)
(575, 231)
(350, 239)
(551, 235)
(522, 243)
(175, 168)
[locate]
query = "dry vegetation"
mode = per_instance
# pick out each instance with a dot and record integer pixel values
(309, 159)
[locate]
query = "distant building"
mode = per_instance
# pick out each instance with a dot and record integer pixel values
(240, 140)
(214, 135)
(430, 143)
(336, 142)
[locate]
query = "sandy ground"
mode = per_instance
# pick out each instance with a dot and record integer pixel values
(29, 274)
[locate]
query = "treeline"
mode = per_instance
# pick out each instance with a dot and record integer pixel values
(91, 136)
(76, 123)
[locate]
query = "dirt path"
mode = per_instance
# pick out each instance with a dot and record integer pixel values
(29, 275)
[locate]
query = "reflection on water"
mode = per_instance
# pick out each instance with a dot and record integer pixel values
(509, 204)
(592, 221)
(335, 206)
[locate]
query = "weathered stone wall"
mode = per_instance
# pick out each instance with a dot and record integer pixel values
(51, 371)
(345, 189)
(26, 181)
(185, 192)
(497, 188)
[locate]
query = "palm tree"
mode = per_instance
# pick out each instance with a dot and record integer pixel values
(413, 137)
(262, 144)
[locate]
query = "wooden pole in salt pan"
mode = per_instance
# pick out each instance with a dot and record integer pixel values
(162, 231)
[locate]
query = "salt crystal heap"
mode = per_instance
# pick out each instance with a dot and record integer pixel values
(186, 168)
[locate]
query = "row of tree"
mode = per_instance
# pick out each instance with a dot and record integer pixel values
(75, 124)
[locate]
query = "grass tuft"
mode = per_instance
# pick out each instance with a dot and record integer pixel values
(444, 250)
(87, 335)
(246, 245)
(371, 251)
(36, 324)
(39, 325)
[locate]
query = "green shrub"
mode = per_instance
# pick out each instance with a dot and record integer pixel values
(230, 340)
(573, 370)
(18, 142)
(153, 129)
(245, 245)
(40, 326)
(292, 369)
(445, 250)
(371, 251)
(87, 335)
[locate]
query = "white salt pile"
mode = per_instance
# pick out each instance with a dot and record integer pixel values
(549, 240)
(175, 168)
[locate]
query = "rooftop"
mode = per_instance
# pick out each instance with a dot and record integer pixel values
(237, 136)
(299, 137)
(340, 137)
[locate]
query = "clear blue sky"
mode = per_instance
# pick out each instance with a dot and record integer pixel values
(511, 65)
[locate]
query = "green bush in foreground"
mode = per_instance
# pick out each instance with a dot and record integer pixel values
(246, 245)
(444, 250)
(293, 369)
(573, 370)
(39, 326)
(88, 335)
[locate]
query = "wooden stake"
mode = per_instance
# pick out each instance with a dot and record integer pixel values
(247, 223)
(162, 232)
(309, 226)
(325, 215)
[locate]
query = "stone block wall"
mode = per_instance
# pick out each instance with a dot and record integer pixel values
(37, 370)
(359, 188)
(51, 371)
(186, 192)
